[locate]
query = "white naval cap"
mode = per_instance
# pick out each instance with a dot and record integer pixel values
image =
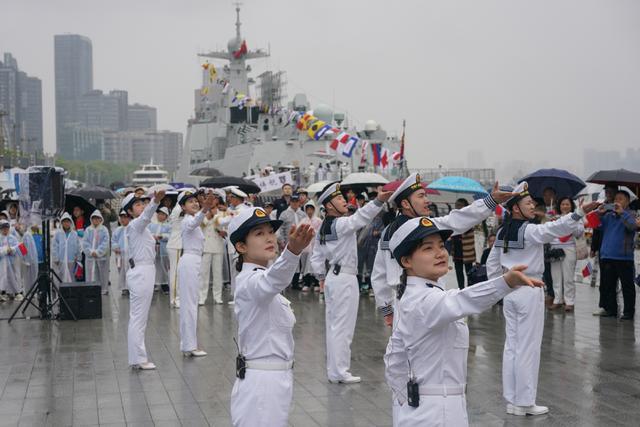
(217, 192)
(522, 190)
(66, 216)
(128, 201)
(97, 214)
(410, 185)
(330, 191)
(186, 195)
(309, 203)
(164, 210)
(234, 190)
(123, 213)
(247, 219)
(412, 231)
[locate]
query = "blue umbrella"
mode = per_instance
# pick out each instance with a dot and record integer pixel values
(457, 184)
(563, 183)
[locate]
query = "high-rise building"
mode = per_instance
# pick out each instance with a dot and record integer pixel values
(73, 78)
(142, 118)
(103, 111)
(20, 108)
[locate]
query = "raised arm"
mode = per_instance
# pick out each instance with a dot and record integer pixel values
(360, 218)
(139, 224)
(381, 289)
(494, 265)
(545, 233)
(267, 284)
(462, 220)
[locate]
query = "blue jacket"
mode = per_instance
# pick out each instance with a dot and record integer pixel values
(117, 239)
(618, 235)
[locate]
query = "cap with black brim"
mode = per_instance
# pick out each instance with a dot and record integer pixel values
(412, 232)
(247, 220)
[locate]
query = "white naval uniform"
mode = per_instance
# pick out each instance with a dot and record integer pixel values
(189, 279)
(231, 250)
(174, 249)
(212, 257)
(140, 281)
(435, 338)
(386, 270)
(341, 291)
(265, 336)
(524, 308)
(96, 239)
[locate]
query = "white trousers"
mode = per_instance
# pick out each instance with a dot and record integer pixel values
(524, 315)
(122, 271)
(97, 271)
(174, 257)
(563, 273)
(189, 284)
(162, 270)
(262, 399)
(435, 411)
(211, 262)
(341, 301)
(140, 284)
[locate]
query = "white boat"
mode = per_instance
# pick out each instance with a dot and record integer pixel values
(149, 175)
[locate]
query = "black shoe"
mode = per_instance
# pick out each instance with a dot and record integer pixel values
(627, 317)
(609, 314)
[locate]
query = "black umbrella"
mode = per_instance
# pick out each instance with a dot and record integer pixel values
(245, 185)
(73, 200)
(564, 183)
(617, 177)
(206, 172)
(94, 192)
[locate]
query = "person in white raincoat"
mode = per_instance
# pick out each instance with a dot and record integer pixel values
(263, 390)
(521, 242)
(28, 262)
(120, 246)
(336, 243)
(66, 251)
(96, 248)
(430, 327)
(161, 231)
(9, 275)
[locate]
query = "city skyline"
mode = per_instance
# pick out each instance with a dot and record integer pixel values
(542, 92)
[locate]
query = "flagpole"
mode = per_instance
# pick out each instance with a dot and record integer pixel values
(404, 171)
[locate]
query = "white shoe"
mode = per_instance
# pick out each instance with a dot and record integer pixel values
(600, 312)
(146, 366)
(305, 289)
(3, 297)
(19, 297)
(105, 292)
(509, 409)
(349, 379)
(176, 304)
(528, 410)
(194, 353)
(201, 303)
(218, 301)
(231, 302)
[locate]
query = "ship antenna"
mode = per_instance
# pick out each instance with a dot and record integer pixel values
(238, 23)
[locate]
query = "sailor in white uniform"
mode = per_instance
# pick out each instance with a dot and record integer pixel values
(521, 242)
(430, 326)
(120, 246)
(141, 274)
(336, 243)
(96, 248)
(174, 251)
(66, 249)
(212, 252)
(236, 199)
(412, 201)
(262, 393)
(189, 268)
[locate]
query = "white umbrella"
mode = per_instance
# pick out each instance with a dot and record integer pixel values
(364, 178)
(317, 187)
(161, 187)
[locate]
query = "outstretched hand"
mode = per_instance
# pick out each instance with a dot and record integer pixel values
(515, 277)
(384, 196)
(500, 196)
(158, 196)
(588, 207)
(299, 238)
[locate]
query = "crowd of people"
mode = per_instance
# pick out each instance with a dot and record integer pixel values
(340, 245)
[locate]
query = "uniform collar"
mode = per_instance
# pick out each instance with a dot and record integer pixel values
(251, 266)
(421, 281)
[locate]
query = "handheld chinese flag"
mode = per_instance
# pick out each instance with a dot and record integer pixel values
(593, 220)
(587, 270)
(23, 249)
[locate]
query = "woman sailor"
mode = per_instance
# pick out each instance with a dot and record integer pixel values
(263, 389)
(189, 268)
(430, 326)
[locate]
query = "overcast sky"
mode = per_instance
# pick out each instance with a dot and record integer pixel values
(512, 79)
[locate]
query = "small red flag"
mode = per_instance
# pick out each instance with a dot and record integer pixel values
(23, 249)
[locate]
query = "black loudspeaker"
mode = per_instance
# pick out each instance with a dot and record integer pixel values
(84, 299)
(45, 191)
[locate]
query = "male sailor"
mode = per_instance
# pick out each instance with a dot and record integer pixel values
(337, 243)
(66, 251)
(520, 242)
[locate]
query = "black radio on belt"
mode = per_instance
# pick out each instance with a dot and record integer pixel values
(413, 393)
(336, 269)
(241, 366)
(132, 264)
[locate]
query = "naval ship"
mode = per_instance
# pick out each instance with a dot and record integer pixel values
(244, 127)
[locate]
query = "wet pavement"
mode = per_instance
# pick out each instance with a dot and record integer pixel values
(75, 373)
